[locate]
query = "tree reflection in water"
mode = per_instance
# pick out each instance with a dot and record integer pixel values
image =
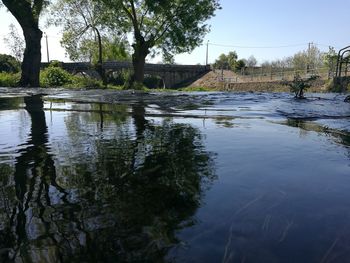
(123, 201)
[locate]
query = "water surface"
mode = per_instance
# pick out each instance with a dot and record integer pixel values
(209, 177)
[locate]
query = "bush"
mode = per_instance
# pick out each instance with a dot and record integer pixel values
(153, 82)
(9, 79)
(119, 78)
(56, 63)
(55, 77)
(9, 64)
(299, 85)
(85, 82)
(339, 85)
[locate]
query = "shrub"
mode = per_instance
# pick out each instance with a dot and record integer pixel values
(339, 85)
(9, 64)
(119, 78)
(56, 63)
(9, 79)
(153, 82)
(55, 77)
(299, 85)
(85, 82)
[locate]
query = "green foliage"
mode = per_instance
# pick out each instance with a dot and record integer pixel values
(84, 24)
(9, 64)
(9, 79)
(239, 65)
(340, 85)
(85, 82)
(153, 82)
(192, 89)
(229, 61)
(298, 85)
(88, 49)
(56, 63)
(330, 59)
(134, 85)
(226, 61)
(171, 26)
(113, 49)
(119, 78)
(55, 77)
(311, 58)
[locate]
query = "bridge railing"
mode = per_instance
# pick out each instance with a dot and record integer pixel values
(118, 65)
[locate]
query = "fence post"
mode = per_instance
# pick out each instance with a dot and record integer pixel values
(271, 73)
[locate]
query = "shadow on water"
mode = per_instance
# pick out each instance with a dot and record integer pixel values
(123, 201)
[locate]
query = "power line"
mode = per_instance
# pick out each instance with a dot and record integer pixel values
(269, 47)
(236, 46)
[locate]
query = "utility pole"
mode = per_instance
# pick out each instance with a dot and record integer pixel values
(308, 58)
(206, 61)
(47, 48)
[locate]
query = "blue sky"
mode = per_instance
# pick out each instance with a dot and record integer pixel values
(251, 24)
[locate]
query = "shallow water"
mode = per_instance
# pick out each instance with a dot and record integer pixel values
(207, 177)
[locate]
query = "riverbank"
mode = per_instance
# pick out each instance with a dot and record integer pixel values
(211, 81)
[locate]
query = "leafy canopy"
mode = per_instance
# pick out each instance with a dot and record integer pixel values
(82, 22)
(172, 26)
(229, 61)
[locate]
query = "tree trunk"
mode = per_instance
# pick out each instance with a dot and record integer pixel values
(99, 66)
(141, 50)
(27, 14)
(32, 57)
(138, 63)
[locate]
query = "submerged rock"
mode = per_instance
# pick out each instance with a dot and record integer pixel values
(347, 99)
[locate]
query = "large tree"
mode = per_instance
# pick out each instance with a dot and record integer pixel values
(85, 23)
(172, 26)
(27, 13)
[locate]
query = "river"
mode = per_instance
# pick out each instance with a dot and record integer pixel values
(104, 176)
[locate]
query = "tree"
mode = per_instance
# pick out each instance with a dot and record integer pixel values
(172, 26)
(9, 64)
(15, 42)
(299, 85)
(251, 62)
(330, 60)
(88, 49)
(240, 64)
(86, 25)
(232, 59)
(226, 61)
(309, 59)
(221, 62)
(27, 13)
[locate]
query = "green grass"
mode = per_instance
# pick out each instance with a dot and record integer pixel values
(196, 89)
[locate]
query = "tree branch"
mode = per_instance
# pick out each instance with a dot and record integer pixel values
(143, 17)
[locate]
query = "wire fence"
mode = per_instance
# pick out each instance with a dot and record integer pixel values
(272, 75)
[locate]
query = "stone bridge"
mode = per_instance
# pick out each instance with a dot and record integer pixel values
(172, 75)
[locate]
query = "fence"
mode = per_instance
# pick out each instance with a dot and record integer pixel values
(272, 74)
